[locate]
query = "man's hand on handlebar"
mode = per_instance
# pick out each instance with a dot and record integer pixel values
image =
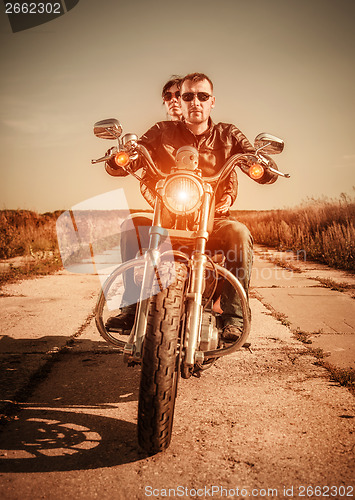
(224, 205)
(112, 151)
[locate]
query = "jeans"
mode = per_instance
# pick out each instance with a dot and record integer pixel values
(229, 238)
(233, 240)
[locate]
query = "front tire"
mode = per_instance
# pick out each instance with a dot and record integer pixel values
(161, 363)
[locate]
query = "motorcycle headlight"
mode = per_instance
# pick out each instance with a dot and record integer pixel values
(182, 194)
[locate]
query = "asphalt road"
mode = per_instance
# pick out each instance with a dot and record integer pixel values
(263, 424)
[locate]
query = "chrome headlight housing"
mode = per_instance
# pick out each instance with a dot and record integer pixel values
(182, 194)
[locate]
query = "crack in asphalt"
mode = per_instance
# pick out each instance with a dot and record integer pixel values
(11, 408)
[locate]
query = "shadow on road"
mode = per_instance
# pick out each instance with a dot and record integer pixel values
(75, 416)
(86, 373)
(52, 440)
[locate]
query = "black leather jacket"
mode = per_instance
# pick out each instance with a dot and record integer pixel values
(215, 146)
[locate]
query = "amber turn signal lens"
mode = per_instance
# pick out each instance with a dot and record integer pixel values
(122, 159)
(256, 171)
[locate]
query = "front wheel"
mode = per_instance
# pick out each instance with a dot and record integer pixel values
(161, 363)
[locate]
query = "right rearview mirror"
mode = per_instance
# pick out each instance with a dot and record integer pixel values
(108, 129)
(268, 143)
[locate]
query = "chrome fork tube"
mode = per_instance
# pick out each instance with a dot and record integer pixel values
(197, 284)
(194, 306)
(134, 345)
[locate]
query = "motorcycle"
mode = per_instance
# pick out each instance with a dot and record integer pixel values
(177, 331)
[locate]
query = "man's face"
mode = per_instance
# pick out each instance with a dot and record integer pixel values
(173, 105)
(196, 111)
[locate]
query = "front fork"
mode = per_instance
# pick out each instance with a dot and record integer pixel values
(194, 306)
(197, 285)
(133, 348)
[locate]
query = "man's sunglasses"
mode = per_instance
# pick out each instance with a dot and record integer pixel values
(201, 96)
(169, 95)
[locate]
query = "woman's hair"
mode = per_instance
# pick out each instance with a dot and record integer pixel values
(174, 80)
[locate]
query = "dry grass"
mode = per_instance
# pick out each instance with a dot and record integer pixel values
(342, 376)
(324, 230)
(24, 233)
(40, 267)
(28, 234)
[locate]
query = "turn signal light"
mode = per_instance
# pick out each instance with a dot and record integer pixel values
(122, 159)
(256, 171)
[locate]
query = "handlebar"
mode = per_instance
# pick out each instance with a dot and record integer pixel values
(281, 174)
(239, 158)
(148, 159)
(222, 174)
(100, 160)
(112, 151)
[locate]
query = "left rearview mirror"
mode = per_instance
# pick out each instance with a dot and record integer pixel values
(108, 129)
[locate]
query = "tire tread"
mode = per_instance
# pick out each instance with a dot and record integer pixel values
(159, 373)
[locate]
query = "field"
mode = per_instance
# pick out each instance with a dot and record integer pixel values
(322, 230)
(27, 234)
(23, 232)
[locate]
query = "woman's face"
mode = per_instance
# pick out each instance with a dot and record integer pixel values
(172, 102)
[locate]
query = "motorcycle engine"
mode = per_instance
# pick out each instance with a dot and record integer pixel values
(209, 332)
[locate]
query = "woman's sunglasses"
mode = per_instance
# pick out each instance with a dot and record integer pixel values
(201, 96)
(169, 95)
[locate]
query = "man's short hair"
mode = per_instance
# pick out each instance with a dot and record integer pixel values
(174, 80)
(196, 77)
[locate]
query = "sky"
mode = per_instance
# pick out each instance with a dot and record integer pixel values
(280, 66)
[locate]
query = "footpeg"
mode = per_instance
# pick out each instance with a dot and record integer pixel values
(247, 346)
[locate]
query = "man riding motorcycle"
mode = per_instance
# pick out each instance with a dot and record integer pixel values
(215, 144)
